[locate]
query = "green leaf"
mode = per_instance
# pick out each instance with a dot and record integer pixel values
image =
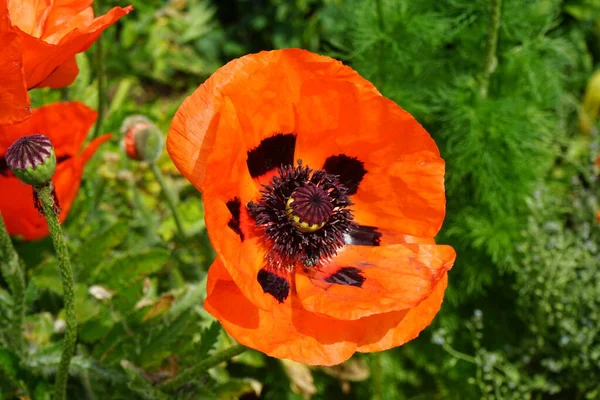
(123, 271)
(166, 340)
(97, 328)
(209, 339)
(91, 251)
(139, 384)
(8, 364)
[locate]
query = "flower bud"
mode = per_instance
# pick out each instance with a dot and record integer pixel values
(142, 140)
(32, 159)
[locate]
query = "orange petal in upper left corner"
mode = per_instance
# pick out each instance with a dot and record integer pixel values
(66, 124)
(43, 39)
(14, 100)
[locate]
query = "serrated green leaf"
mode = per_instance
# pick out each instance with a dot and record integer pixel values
(86, 307)
(122, 271)
(139, 384)
(209, 339)
(234, 389)
(97, 328)
(91, 251)
(160, 343)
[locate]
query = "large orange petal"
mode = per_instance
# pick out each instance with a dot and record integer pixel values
(41, 58)
(242, 252)
(289, 331)
(373, 280)
(403, 188)
(29, 15)
(14, 100)
(409, 327)
(263, 89)
(64, 75)
(66, 124)
(285, 332)
(65, 16)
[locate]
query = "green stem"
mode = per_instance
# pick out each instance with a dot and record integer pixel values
(491, 46)
(201, 367)
(62, 254)
(377, 376)
(381, 24)
(458, 354)
(169, 197)
(99, 61)
(13, 272)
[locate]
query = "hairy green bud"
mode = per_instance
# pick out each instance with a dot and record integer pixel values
(142, 140)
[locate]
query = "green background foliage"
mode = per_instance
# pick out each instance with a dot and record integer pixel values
(521, 318)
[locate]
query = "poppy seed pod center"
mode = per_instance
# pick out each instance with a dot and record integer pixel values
(304, 215)
(309, 208)
(32, 159)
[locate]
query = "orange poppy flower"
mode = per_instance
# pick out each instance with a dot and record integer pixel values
(39, 40)
(67, 125)
(322, 199)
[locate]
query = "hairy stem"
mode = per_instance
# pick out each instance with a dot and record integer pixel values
(202, 367)
(13, 273)
(169, 197)
(491, 46)
(380, 49)
(68, 284)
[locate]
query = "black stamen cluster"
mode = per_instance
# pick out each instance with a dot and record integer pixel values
(288, 245)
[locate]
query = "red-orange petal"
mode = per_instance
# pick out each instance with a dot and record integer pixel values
(403, 188)
(14, 100)
(42, 59)
(409, 327)
(242, 258)
(21, 217)
(287, 331)
(387, 278)
(263, 90)
(67, 125)
(291, 332)
(64, 75)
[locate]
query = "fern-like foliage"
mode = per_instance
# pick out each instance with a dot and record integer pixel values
(429, 57)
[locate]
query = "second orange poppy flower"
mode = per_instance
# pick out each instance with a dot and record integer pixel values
(67, 125)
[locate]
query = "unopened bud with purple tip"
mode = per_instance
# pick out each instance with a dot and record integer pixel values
(32, 159)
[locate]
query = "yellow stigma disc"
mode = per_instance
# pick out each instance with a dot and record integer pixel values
(295, 220)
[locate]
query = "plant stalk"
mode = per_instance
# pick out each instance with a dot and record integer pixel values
(491, 46)
(377, 376)
(202, 367)
(13, 272)
(380, 50)
(68, 284)
(169, 197)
